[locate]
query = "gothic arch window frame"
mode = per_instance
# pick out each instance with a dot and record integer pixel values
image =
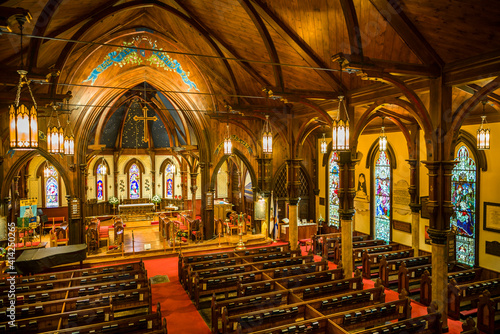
(163, 171)
(104, 180)
(469, 141)
(40, 173)
(328, 189)
(371, 160)
(126, 171)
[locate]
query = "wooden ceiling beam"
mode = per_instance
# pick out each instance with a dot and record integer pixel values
(472, 69)
(403, 26)
(268, 41)
(373, 92)
(298, 44)
(473, 88)
(353, 28)
(391, 67)
(394, 114)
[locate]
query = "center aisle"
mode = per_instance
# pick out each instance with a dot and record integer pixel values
(181, 314)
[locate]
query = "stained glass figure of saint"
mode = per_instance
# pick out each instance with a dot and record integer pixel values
(134, 181)
(383, 197)
(333, 197)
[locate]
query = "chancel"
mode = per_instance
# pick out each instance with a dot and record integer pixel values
(251, 166)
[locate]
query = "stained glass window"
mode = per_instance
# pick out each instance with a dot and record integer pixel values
(169, 175)
(333, 205)
(51, 188)
(134, 181)
(100, 182)
(463, 197)
(383, 197)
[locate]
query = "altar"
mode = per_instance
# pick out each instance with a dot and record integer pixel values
(138, 209)
(306, 231)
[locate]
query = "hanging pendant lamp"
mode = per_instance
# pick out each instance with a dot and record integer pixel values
(483, 133)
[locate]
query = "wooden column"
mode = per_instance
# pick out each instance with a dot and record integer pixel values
(193, 189)
(264, 183)
(293, 190)
(415, 206)
(347, 192)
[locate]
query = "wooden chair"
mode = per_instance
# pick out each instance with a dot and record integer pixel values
(197, 230)
(59, 236)
(93, 236)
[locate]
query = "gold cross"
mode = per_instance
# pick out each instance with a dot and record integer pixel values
(145, 118)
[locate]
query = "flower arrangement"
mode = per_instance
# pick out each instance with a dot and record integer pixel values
(156, 199)
(113, 200)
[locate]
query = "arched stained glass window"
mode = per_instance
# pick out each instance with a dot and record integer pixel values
(333, 196)
(463, 197)
(169, 176)
(134, 181)
(51, 188)
(383, 197)
(100, 182)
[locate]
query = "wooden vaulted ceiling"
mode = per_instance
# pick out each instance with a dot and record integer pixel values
(233, 49)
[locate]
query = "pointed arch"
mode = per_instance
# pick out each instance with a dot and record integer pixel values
(101, 172)
(134, 170)
(382, 196)
(464, 198)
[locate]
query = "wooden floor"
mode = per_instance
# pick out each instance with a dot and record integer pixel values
(142, 240)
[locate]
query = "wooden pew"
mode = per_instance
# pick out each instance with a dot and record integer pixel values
(488, 308)
(77, 281)
(468, 293)
(461, 276)
(245, 304)
(357, 253)
(149, 323)
(327, 242)
(70, 292)
(343, 322)
(54, 321)
(337, 250)
(407, 276)
(185, 260)
(227, 266)
(426, 324)
(230, 283)
(469, 327)
(315, 291)
(372, 260)
(391, 267)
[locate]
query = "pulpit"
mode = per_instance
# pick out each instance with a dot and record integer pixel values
(221, 209)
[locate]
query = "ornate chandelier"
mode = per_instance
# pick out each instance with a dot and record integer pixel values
(483, 134)
(23, 121)
(323, 145)
(55, 134)
(267, 138)
(340, 129)
(228, 146)
(382, 139)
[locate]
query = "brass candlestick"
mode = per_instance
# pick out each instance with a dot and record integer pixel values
(241, 244)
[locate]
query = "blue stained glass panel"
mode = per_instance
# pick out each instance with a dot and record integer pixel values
(383, 197)
(52, 192)
(134, 182)
(169, 173)
(100, 183)
(463, 197)
(333, 205)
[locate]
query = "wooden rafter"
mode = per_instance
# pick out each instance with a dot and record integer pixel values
(394, 14)
(353, 28)
(268, 42)
(298, 44)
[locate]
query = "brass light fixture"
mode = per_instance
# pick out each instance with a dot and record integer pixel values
(483, 134)
(69, 138)
(323, 145)
(228, 146)
(382, 139)
(55, 134)
(23, 121)
(340, 129)
(267, 138)
(46, 170)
